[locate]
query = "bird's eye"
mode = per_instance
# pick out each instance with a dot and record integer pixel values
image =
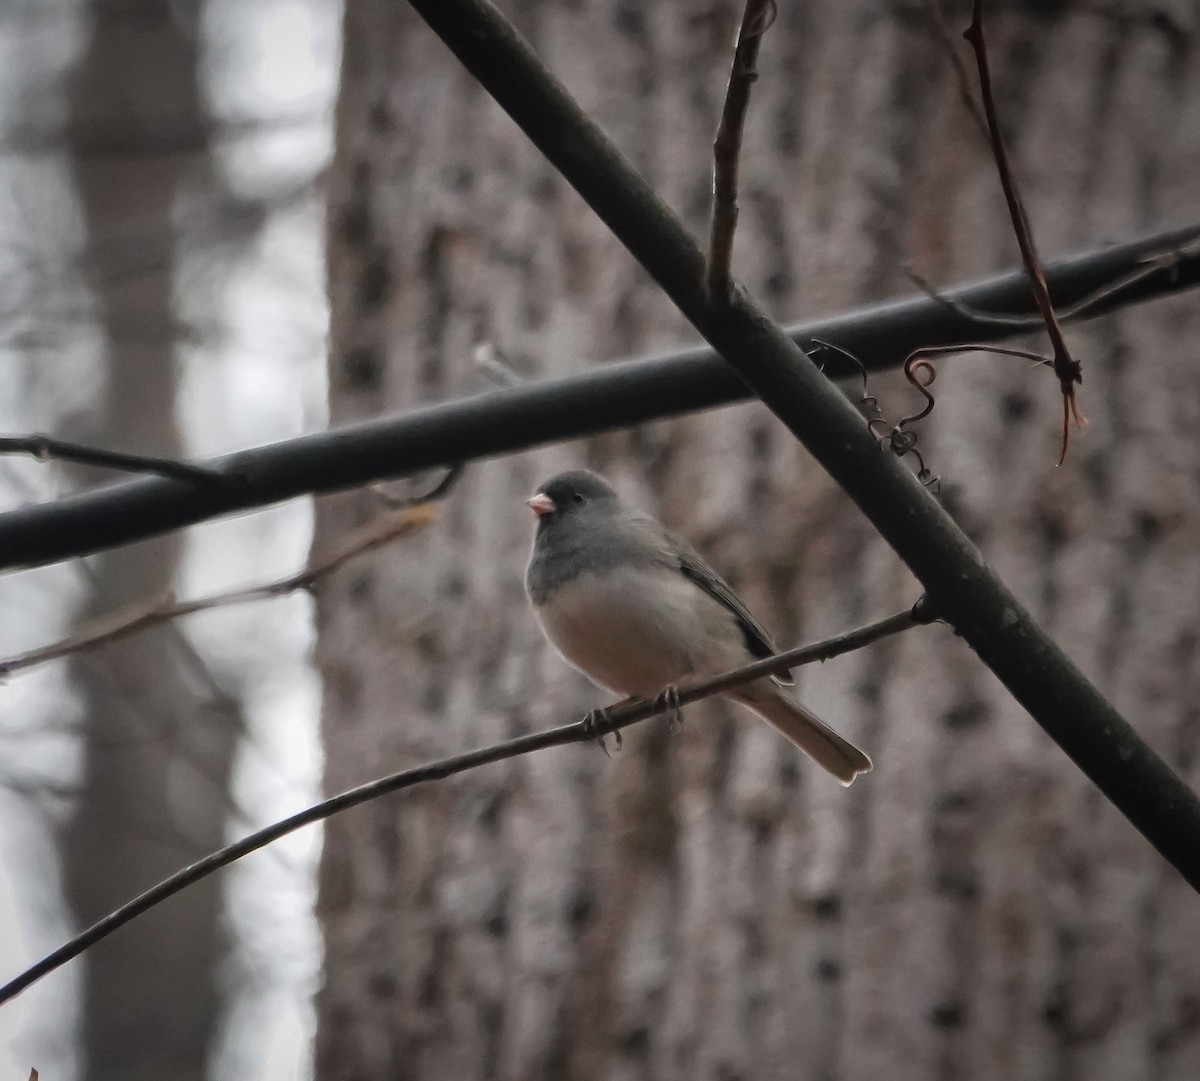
(577, 496)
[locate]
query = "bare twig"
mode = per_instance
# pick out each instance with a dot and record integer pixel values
(45, 447)
(937, 19)
(980, 347)
(1068, 370)
(998, 319)
(413, 516)
(756, 19)
(438, 491)
(1151, 265)
(489, 361)
(596, 724)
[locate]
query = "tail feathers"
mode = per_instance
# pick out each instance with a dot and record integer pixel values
(815, 738)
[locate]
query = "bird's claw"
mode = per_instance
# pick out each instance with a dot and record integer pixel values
(667, 701)
(597, 725)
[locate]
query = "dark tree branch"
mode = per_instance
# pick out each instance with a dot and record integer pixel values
(727, 148)
(613, 396)
(960, 585)
(595, 725)
(1068, 370)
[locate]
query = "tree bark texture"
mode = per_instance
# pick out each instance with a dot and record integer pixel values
(158, 735)
(707, 905)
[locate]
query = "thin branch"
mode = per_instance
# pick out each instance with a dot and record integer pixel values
(492, 364)
(937, 19)
(595, 725)
(980, 347)
(150, 613)
(727, 148)
(1068, 370)
(411, 516)
(1016, 322)
(1152, 264)
(439, 491)
(45, 447)
(599, 399)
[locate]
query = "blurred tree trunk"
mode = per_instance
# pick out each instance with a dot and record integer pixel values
(158, 736)
(708, 906)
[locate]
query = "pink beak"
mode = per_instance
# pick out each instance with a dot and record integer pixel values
(540, 504)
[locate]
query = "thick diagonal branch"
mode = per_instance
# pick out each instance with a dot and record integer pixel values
(961, 586)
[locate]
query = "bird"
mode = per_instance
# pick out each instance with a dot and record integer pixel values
(636, 609)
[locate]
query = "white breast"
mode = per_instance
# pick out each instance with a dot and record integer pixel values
(635, 632)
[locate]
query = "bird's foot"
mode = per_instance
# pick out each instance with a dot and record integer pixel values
(667, 701)
(597, 726)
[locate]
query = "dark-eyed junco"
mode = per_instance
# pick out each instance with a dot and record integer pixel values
(637, 610)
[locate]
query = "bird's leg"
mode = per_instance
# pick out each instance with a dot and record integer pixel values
(667, 701)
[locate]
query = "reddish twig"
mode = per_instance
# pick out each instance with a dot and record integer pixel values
(594, 725)
(727, 147)
(1068, 370)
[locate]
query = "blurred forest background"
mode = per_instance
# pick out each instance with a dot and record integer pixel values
(176, 193)
(161, 178)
